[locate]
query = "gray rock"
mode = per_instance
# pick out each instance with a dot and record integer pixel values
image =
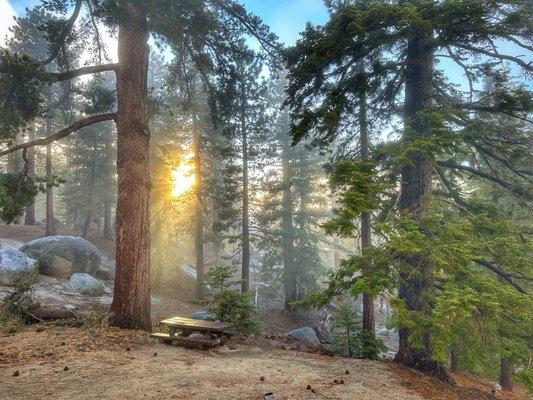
(203, 315)
(61, 256)
(86, 284)
(306, 333)
(14, 263)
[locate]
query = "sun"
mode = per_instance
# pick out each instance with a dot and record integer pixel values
(182, 179)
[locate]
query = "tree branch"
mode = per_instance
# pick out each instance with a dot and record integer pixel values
(516, 190)
(64, 33)
(91, 69)
(516, 60)
(504, 275)
(62, 133)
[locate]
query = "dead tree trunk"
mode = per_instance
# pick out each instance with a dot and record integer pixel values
(199, 223)
(417, 285)
(289, 274)
(369, 323)
(245, 194)
(131, 301)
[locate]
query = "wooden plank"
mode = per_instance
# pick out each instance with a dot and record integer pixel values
(190, 340)
(197, 325)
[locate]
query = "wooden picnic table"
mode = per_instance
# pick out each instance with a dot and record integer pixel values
(193, 332)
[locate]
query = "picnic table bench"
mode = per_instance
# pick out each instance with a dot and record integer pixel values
(193, 332)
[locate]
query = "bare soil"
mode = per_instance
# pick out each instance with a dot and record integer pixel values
(106, 363)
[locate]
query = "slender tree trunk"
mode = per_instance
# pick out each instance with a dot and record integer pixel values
(109, 170)
(50, 223)
(87, 224)
(199, 223)
(506, 374)
(131, 301)
(454, 359)
(14, 166)
(245, 199)
(289, 274)
(92, 179)
(29, 219)
(369, 322)
(417, 281)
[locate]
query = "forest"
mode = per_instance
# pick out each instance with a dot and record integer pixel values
(305, 199)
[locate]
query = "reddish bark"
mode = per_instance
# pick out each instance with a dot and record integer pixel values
(131, 301)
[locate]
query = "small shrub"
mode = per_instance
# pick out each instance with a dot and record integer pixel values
(14, 307)
(349, 337)
(228, 304)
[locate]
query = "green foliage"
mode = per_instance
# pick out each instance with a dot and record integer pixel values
(16, 192)
(14, 307)
(228, 304)
(350, 338)
(21, 80)
(360, 191)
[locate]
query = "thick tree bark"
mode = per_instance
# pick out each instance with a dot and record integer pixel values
(289, 274)
(369, 321)
(109, 170)
(199, 223)
(87, 224)
(50, 223)
(29, 219)
(506, 374)
(417, 280)
(131, 301)
(245, 194)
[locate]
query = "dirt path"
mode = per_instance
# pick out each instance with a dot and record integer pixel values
(104, 363)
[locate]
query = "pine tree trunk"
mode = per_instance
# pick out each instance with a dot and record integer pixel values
(50, 223)
(131, 301)
(369, 321)
(417, 284)
(289, 274)
(506, 374)
(199, 223)
(29, 219)
(245, 194)
(108, 224)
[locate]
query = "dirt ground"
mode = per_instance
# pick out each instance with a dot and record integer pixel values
(106, 363)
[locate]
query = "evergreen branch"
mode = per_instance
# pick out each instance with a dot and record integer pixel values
(516, 190)
(64, 33)
(92, 69)
(239, 13)
(62, 133)
(490, 153)
(527, 66)
(518, 42)
(504, 275)
(451, 191)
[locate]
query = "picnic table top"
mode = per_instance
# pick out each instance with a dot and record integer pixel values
(195, 324)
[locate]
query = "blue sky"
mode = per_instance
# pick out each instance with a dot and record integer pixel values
(286, 17)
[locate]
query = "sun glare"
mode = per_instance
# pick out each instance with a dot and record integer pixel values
(182, 179)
